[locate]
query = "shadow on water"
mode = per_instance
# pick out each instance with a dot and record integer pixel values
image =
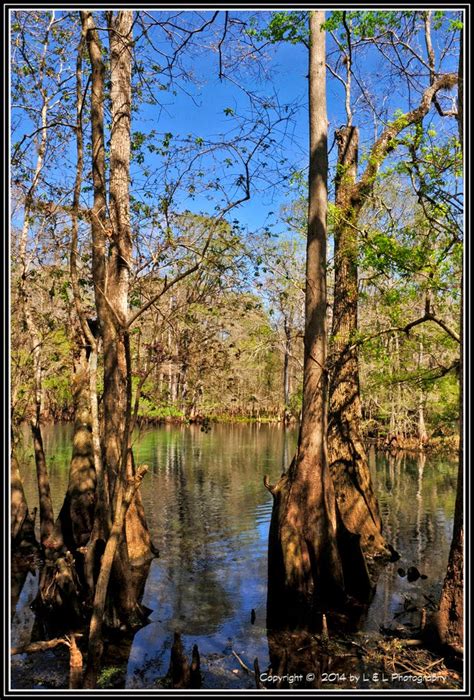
(209, 514)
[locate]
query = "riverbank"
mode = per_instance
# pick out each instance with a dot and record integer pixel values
(362, 660)
(209, 516)
(434, 445)
(446, 443)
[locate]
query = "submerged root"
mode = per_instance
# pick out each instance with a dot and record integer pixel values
(59, 593)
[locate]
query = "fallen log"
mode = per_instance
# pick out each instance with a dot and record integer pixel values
(39, 646)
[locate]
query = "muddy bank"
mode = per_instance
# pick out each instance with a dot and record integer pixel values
(360, 661)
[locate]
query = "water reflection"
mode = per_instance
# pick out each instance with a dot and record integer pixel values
(208, 513)
(416, 496)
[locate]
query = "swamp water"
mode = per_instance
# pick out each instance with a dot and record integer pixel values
(209, 513)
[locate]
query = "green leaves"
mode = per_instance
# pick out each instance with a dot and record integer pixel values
(138, 138)
(291, 27)
(334, 21)
(454, 25)
(363, 23)
(167, 140)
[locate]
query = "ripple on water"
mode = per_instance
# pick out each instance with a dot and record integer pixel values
(209, 515)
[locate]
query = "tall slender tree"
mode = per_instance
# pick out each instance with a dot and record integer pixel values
(348, 458)
(305, 563)
(450, 619)
(122, 525)
(27, 306)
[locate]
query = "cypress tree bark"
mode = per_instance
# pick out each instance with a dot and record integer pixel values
(117, 364)
(306, 571)
(112, 252)
(349, 466)
(450, 619)
(347, 455)
(22, 525)
(74, 524)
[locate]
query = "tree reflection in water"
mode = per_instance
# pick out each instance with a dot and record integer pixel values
(209, 512)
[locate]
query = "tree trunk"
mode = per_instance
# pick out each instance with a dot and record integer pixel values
(347, 455)
(64, 574)
(75, 521)
(46, 506)
(82, 477)
(450, 621)
(111, 286)
(286, 373)
(22, 529)
(117, 361)
(305, 569)
(124, 498)
(422, 434)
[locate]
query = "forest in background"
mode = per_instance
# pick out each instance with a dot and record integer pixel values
(151, 282)
(226, 342)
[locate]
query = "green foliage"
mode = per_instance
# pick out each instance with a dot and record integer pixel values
(149, 411)
(215, 344)
(59, 389)
(295, 403)
(387, 253)
(110, 677)
(439, 18)
(442, 408)
(363, 23)
(286, 26)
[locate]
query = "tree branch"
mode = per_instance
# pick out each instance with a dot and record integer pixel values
(384, 143)
(219, 46)
(429, 45)
(406, 329)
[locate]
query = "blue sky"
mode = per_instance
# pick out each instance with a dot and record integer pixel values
(200, 111)
(288, 79)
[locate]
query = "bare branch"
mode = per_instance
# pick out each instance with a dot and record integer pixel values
(348, 61)
(406, 329)
(429, 45)
(219, 46)
(384, 143)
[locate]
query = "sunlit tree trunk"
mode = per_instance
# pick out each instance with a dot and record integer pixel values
(347, 455)
(112, 251)
(422, 434)
(451, 607)
(128, 541)
(75, 521)
(117, 362)
(27, 306)
(286, 371)
(305, 567)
